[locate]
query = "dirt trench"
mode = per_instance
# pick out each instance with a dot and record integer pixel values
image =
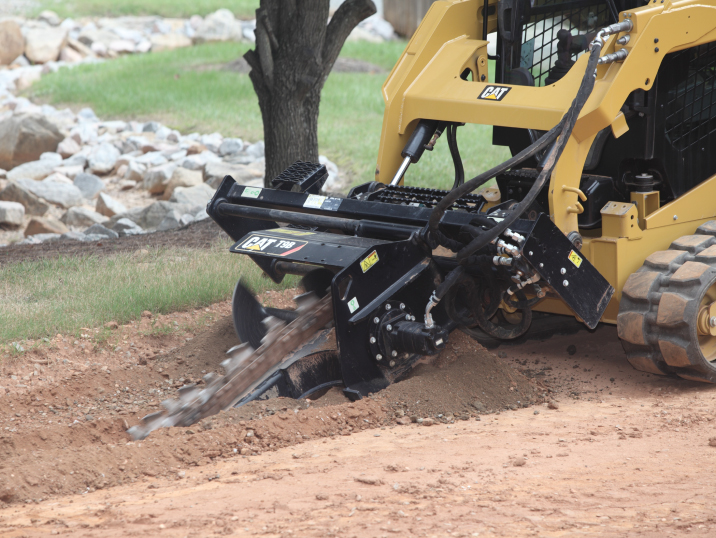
(66, 404)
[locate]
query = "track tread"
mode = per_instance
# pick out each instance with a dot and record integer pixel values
(659, 305)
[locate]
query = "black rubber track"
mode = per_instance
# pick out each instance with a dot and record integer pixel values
(660, 304)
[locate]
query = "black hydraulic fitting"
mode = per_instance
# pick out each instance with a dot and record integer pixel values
(420, 138)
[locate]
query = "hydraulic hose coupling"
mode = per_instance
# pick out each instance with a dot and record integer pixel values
(625, 26)
(500, 260)
(618, 56)
(514, 236)
(432, 303)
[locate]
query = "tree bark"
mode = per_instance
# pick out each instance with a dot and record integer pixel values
(295, 52)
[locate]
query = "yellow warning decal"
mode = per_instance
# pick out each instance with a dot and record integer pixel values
(369, 262)
(290, 232)
(575, 258)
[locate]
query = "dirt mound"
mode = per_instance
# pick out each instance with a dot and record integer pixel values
(465, 380)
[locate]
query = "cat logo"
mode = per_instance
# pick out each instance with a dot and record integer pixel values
(273, 246)
(494, 93)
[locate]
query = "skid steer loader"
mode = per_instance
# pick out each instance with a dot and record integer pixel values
(603, 212)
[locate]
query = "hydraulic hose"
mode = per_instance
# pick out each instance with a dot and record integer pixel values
(570, 120)
(450, 198)
(558, 136)
(455, 153)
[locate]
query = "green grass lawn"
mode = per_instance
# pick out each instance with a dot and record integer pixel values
(43, 298)
(188, 90)
(244, 9)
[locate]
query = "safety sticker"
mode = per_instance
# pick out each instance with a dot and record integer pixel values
(575, 258)
(494, 93)
(289, 231)
(251, 192)
(315, 201)
(272, 246)
(369, 262)
(353, 305)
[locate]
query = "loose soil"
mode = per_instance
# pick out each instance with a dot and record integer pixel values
(553, 438)
(202, 234)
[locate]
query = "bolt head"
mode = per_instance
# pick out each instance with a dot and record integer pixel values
(565, 283)
(376, 320)
(712, 321)
(389, 327)
(388, 307)
(531, 253)
(395, 353)
(563, 271)
(402, 306)
(676, 217)
(392, 363)
(379, 357)
(372, 340)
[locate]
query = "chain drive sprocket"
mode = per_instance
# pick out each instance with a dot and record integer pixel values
(245, 369)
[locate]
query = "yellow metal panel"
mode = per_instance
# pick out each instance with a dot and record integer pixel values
(697, 204)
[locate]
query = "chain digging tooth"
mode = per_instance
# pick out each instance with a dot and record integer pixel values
(186, 388)
(151, 417)
(187, 396)
(209, 378)
(305, 302)
(241, 351)
(172, 406)
(272, 324)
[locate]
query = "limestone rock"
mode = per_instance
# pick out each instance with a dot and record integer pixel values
(70, 55)
(43, 45)
(32, 204)
(50, 17)
(243, 174)
(156, 179)
(103, 158)
(37, 239)
(182, 178)
(58, 178)
(24, 137)
(230, 146)
(56, 193)
(45, 225)
(89, 184)
(35, 170)
(82, 217)
(70, 171)
(198, 195)
(126, 227)
(170, 41)
(135, 171)
(219, 26)
(68, 147)
(108, 206)
(12, 44)
(11, 214)
(99, 229)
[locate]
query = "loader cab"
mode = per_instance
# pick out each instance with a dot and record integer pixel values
(671, 141)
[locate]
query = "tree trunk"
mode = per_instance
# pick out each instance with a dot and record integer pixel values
(295, 51)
